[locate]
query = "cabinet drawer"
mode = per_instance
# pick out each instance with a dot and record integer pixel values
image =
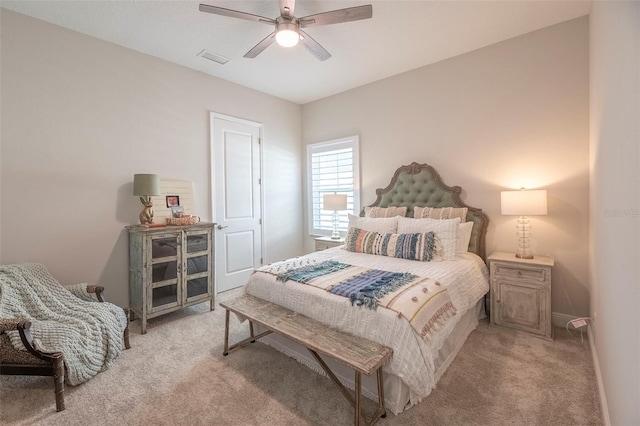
(520, 272)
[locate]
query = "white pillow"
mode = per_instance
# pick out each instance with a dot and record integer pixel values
(445, 229)
(384, 225)
(464, 236)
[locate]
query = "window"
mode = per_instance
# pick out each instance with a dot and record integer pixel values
(332, 168)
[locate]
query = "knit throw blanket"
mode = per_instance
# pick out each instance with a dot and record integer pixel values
(424, 302)
(89, 334)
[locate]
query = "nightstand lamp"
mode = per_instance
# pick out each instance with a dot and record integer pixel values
(334, 202)
(524, 203)
(145, 186)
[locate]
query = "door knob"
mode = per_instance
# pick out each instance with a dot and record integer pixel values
(222, 227)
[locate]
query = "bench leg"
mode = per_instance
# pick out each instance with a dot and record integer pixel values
(226, 333)
(251, 339)
(381, 394)
(356, 395)
(355, 398)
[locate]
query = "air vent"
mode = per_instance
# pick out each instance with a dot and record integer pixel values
(213, 57)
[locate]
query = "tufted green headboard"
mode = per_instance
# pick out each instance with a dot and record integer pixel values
(420, 185)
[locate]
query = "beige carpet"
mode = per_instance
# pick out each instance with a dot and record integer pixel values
(176, 374)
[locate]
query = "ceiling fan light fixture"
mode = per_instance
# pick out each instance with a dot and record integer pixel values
(287, 35)
(288, 31)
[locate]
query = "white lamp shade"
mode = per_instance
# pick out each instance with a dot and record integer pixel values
(146, 185)
(524, 203)
(334, 202)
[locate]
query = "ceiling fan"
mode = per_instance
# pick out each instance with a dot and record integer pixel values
(289, 28)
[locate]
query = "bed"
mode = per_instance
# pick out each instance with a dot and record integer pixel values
(420, 354)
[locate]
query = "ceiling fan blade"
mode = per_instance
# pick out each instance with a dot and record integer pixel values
(337, 16)
(235, 14)
(287, 7)
(258, 48)
(314, 47)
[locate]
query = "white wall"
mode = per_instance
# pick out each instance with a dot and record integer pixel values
(509, 115)
(80, 116)
(615, 203)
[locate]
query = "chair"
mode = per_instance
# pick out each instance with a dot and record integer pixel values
(33, 361)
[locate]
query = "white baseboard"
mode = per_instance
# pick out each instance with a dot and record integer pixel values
(596, 366)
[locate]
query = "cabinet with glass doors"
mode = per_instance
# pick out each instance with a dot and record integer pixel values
(170, 268)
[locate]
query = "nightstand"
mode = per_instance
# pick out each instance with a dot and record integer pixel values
(323, 243)
(521, 293)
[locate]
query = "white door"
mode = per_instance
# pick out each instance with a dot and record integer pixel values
(237, 202)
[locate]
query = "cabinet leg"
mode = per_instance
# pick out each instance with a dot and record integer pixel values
(144, 324)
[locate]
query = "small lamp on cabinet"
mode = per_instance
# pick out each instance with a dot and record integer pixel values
(145, 186)
(524, 203)
(335, 202)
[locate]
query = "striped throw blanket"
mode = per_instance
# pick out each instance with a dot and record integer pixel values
(424, 302)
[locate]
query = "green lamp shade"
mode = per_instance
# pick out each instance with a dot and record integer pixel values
(144, 185)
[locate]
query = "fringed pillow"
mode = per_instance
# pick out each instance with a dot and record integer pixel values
(446, 231)
(385, 211)
(419, 246)
(440, 213)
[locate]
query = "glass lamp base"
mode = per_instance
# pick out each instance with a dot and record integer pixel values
(336, 234)
(524, 232)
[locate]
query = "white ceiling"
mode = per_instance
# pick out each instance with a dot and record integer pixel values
(402, 35)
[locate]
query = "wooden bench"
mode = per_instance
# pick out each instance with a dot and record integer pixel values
(362, 355)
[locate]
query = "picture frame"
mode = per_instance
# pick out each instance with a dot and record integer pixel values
(172, 200)
(171, 188)
(177, 211)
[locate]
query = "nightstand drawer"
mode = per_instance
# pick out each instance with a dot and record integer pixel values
(519, 272)
(323, 243)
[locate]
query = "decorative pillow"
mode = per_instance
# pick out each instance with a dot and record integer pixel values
(382, 224)
(405, 246)
(446, 231)
(385, 211)
(464, 236)
(440, 213)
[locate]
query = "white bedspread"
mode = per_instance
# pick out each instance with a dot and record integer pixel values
(413, 359)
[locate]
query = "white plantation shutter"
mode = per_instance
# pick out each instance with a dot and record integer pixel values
(332, 168)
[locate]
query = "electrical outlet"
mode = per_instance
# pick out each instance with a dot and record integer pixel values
(577, 323)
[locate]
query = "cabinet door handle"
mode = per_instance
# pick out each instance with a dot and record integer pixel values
(222, 227)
